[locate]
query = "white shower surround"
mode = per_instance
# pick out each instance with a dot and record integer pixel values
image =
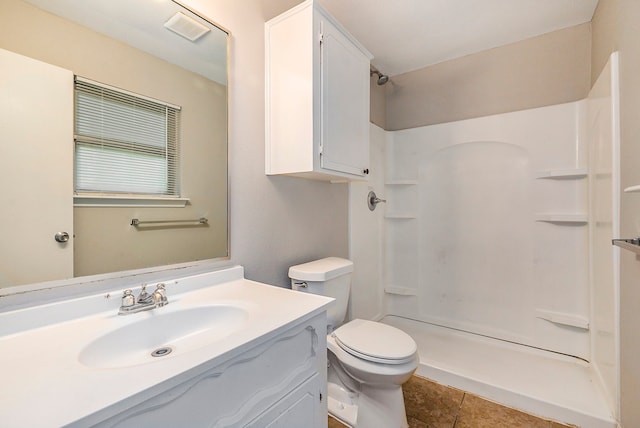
(465, 242)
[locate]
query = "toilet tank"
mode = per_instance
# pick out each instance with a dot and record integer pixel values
(330, 277)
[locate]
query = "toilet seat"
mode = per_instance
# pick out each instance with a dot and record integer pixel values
(375, 342)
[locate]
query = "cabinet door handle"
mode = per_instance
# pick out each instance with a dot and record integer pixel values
(365, 171)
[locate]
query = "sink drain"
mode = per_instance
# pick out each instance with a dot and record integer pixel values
(161, 352)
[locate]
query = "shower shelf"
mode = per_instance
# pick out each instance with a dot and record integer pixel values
(401, 183)
(563, 173)
(562, 318)
(562, 218)
(400, 216)
(400, 291)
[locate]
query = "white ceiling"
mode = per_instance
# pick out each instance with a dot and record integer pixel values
(140, 23)
(403, 35)
(406, 35)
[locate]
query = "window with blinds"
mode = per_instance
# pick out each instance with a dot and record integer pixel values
(125, 143)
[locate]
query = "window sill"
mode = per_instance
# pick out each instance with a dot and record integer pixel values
(123, 201)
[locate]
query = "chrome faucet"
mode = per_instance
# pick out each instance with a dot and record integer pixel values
(145, 301)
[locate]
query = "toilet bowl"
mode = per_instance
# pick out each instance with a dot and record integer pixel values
(367, 361)
(368, 365)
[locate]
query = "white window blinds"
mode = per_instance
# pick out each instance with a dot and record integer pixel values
(125, 143)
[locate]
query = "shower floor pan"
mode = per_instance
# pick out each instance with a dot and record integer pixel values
(538, 382)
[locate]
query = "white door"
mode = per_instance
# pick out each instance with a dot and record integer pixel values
(345, 103)
(36, 170)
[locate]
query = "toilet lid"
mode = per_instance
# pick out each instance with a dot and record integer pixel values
(377, 342)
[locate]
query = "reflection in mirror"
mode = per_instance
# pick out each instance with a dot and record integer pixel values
(45, 45)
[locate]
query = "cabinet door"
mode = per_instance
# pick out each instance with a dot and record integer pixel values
(300, 408)
(345, 103)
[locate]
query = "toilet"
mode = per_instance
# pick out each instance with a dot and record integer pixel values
(367, 361)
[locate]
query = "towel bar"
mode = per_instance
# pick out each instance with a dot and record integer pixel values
(137, 222)
(628, 244)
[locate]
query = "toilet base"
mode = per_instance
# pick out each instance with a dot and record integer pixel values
(375, 408)
(342, 404)
(381, 407)
(360, 405)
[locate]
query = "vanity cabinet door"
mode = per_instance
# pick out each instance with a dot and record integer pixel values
(301, 408)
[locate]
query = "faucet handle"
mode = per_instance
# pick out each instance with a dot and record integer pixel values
(160, 295)
(143, 297)
(128, 299)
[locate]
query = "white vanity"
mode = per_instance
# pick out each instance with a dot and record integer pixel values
(233, 353)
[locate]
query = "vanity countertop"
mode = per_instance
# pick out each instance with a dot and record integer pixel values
(45, 383)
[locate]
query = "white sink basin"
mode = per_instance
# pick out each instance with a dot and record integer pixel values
(167, 332)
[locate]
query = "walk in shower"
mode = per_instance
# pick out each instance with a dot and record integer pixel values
(494, 252)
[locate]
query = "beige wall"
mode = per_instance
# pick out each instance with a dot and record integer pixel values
(378, 109)
(276, 222)
(616, 25)
(604, 38)
(549, 69)
(104, 240)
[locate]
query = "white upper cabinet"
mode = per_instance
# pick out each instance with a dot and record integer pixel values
(317, 97)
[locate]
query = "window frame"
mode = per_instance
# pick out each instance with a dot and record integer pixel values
(95, 137)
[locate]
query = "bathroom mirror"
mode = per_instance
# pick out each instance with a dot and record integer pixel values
(125, 45)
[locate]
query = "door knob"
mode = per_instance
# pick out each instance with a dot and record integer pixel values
(62, 237)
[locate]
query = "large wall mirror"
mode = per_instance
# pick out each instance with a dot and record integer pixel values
(154, 50)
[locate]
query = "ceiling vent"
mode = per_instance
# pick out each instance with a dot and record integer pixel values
(186, 27)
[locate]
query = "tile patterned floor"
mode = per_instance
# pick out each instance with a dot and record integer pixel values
(431, 405)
